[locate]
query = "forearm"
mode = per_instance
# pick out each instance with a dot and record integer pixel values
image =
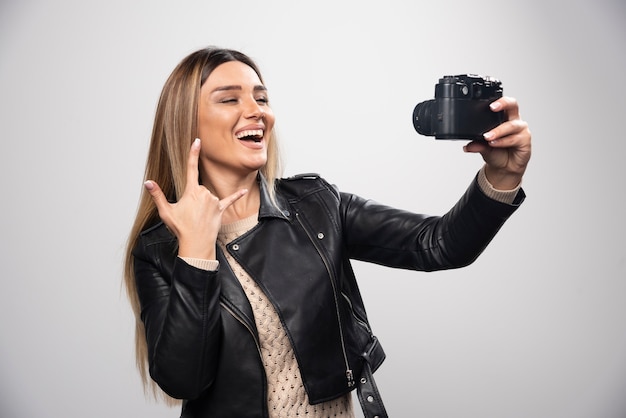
(502, 180)
(397, 238)
(472, 223)
(182, 321)
(496, 193)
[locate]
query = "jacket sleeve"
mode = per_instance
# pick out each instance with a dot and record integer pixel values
(396, 238)
(181, 315)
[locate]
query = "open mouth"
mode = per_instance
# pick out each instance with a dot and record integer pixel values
(254, 135)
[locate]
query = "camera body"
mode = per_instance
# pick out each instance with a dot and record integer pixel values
(460, 109)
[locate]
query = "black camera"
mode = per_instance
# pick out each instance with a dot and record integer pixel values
(460, 109)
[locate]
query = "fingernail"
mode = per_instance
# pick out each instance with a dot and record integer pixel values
(196, 142)
(488, 135)
(495, 106)
(149, 185)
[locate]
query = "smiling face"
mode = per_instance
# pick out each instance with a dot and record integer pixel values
(234, 122)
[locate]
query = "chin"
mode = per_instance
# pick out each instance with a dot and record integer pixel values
(256, 166)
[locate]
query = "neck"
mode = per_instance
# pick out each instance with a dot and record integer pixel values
(247, 205)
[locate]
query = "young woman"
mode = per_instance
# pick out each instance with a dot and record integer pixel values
(245, 301)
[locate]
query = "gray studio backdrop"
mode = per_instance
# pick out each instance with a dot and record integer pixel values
(535, 328)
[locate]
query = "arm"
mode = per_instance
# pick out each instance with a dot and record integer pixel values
(397, 238)
(387, 236)
(180, 303)
(181, 315)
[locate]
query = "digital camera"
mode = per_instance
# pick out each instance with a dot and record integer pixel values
(460, 109)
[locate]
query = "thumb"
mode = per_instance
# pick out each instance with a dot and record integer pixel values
(227, 201)
(158, 197)
(476, 147)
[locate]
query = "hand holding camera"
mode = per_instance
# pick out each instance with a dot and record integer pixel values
(472, 107)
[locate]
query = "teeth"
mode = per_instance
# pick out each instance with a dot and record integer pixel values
(254, 132)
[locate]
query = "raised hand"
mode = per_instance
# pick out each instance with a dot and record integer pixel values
(507, 148)
(197, 216)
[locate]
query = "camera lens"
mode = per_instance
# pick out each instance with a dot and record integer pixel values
(422, 118)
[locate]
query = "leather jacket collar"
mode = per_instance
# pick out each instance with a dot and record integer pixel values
(268, 209)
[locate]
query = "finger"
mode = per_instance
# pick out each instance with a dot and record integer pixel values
(476, 146)
(158, 197)
(518, 143)
(192, 163)
(509, 128)
(229, 200)
(509, 141)
(508, 105)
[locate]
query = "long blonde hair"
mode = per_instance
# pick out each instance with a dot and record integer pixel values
(175, 127)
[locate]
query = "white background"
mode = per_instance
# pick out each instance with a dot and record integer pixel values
(535, 328)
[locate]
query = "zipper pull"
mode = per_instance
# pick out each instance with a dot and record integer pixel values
(350, 378)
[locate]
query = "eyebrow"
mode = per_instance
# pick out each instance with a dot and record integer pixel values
(235, 87)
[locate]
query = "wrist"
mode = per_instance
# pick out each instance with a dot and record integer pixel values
(501, 179)
(191, 251)
(203, 264)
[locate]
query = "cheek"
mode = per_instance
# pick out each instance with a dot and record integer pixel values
(204, 124)
(213, 124)
(269, 120)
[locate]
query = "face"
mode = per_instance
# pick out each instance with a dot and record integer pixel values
(234, 121)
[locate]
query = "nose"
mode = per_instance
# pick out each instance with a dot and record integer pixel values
(253, 110)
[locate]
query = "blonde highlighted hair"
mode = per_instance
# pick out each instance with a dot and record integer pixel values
(175, 127)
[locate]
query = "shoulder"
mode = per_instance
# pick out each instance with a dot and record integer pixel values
(155, 244)
(154, 237)
(301, 186)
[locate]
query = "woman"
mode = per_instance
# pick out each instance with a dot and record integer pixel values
(245, 301)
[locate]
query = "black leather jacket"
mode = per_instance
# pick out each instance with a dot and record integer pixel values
(202, 341)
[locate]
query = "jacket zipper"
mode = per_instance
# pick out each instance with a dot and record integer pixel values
(251, 331)
(349, 374)
(354, 315)
(245, 324)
